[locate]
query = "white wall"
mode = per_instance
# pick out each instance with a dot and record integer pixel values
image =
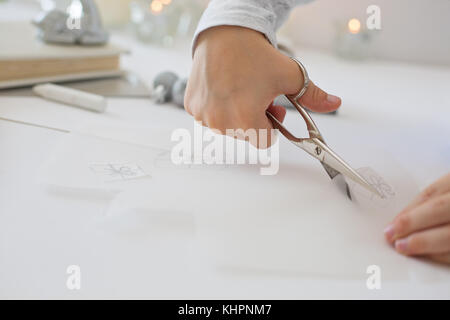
(412, 30)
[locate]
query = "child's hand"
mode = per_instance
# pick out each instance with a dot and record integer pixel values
(236, 75)
(423, 227)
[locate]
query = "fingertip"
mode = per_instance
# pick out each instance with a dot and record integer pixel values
(401, 245)
(389, 233)
(333, 102)
(317, 100)
(330, 104)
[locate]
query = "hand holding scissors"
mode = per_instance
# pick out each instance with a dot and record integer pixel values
(315, 145)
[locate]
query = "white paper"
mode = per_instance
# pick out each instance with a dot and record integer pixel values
(296, 223)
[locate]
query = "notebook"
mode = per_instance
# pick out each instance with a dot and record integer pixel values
(128, 85)
(26, 60)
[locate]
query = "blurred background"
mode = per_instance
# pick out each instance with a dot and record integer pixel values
(411, 30)
(415, 31)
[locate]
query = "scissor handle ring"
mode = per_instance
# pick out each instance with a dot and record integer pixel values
(310, 125)
(306, 81)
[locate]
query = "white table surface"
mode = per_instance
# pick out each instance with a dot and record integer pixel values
(43, 230)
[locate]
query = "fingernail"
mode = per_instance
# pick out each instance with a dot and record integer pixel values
(401, 245)
(389, 232)
(332, 99)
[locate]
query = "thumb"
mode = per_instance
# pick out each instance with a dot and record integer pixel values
(318, 100)
(314, 98)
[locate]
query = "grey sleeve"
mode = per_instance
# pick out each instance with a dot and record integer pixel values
(265, 16)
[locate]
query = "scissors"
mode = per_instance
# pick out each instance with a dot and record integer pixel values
(315, 145)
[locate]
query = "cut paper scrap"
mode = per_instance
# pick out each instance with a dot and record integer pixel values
(366, 198)
(85, 162)
(378, 182)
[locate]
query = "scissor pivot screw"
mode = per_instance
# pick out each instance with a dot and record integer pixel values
(318, 151)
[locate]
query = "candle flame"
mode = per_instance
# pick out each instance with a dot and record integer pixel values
(354, 26)
(156, 6)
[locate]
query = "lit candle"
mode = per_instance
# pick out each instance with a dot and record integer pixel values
(156, 6)
(163, 21)
(352, 43)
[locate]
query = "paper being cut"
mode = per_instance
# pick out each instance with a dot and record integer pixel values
(297, 223)
(363, 197)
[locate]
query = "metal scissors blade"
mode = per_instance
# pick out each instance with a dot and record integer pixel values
(316, 147)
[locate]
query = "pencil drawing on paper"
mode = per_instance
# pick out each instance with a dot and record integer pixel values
(113, 171)
(385, 189)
